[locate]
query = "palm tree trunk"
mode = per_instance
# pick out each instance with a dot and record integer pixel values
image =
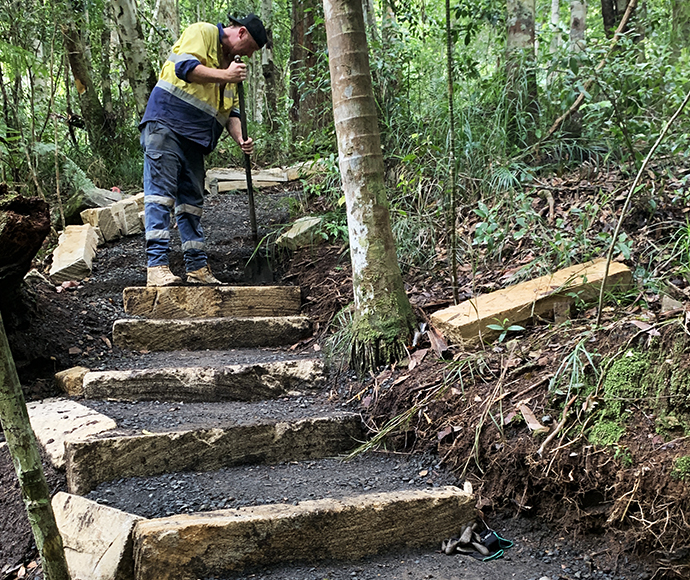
(383, 319)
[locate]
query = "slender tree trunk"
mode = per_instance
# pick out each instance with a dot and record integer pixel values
(555, 28)
(578, 25)
(370, 19)
(106, 88)
(296, 63)
(680, 26)
(138, 70)
(97, 125)
(168, 20)
(521, 71)
(308, 113)
(611, 13)
(23, 448)
(383, 319)
(578, 22)
(269, 70)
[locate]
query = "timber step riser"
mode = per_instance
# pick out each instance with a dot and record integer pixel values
(252, 382)
(210, 333)
(94, 461)
(180, 302)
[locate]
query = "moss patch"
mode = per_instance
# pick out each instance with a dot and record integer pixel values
(681, 467)
(606, 433)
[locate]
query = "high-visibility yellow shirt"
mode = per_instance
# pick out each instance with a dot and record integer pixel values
(197, 111)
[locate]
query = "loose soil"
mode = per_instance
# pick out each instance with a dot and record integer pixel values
(555, 506)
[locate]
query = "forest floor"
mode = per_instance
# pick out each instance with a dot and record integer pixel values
(578, 509)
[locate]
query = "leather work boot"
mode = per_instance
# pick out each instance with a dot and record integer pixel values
(202, 276)
(161, 276)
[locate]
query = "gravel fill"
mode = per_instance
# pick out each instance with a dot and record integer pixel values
(203, 358)
(161, 417)
(251, 485)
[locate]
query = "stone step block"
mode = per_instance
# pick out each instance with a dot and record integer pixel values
(467, 323)
(304, 232)
(97, 538)
(179, 302)
(57, 420)
(187, 547)
(92, 461)
(126, 214)
(242, 382)
(210, 333)
(104, 220)
(73, 258)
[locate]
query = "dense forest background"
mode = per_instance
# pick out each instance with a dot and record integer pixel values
(538, 87)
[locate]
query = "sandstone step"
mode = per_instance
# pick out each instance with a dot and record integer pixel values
(242, 382)
(334, 494)
(468, 321)
(56, 420)
(94, 460)
(209, 333)
(97, 539)
(178, 302)
(187, 547)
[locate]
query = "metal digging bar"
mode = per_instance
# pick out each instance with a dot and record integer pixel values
(257, 269)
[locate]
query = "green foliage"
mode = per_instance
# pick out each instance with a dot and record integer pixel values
(504, 327)
(606, 433)
(573, 375)
(681, 467)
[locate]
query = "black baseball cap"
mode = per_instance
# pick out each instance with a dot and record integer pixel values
(255, 27)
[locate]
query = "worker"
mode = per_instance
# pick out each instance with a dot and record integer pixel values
(194, 101)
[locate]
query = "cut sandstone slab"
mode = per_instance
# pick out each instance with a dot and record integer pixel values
(304, 232)
(181, 302)
(239, 175)
(467, 321)
(71, 381)
(210, 333)
(97, 460)
(56, 421)
(73, 257)
(248, 382)
(224, 186)
(187, 547)
(97, 538)
(103, 219)
(126, 214)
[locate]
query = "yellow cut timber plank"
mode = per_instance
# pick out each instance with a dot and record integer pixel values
(221, 174)
(181, 302)
(468, 320)
(241, 185)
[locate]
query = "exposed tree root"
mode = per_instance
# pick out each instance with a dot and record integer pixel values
(371, 354)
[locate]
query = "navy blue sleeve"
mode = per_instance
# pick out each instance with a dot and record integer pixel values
(182, 69)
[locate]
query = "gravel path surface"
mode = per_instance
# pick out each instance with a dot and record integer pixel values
(159, 417)
(201, 358)
(252, 485)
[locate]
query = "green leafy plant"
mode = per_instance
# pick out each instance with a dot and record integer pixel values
(681, 467)
(504, 327)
